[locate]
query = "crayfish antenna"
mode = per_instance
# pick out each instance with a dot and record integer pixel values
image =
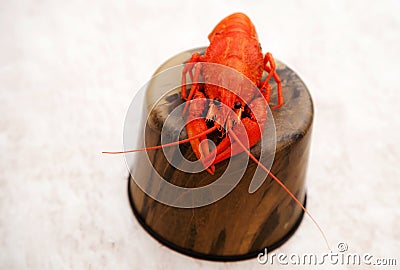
(164, 145)
(282, 185)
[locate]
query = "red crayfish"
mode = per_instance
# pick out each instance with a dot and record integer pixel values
(233, 43)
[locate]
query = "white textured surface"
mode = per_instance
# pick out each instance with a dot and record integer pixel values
(68, 71)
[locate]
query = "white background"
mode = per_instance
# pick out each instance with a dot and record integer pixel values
(69, 69)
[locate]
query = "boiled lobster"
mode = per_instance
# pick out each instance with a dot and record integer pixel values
(234, 44)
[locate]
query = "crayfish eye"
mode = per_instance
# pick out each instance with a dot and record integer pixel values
(217, 101)
(237, 105)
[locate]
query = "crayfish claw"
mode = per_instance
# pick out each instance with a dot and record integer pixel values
(211, 169)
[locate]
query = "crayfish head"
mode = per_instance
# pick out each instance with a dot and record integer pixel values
(224, 117)
(234, 115)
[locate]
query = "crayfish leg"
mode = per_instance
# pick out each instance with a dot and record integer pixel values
(271, 69)
(188, 68)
